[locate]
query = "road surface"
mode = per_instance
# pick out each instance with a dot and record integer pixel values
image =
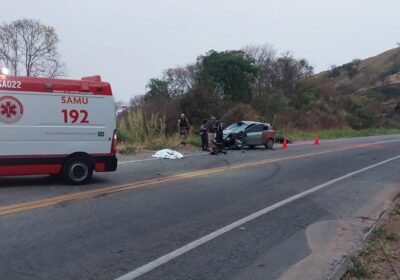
(256, 214)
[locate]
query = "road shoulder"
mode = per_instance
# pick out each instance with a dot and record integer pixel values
(379, 257)
(334, 242)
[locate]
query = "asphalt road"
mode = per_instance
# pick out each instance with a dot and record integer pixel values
(256, 214)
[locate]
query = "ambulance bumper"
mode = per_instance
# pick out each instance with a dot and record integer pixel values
(111, 163)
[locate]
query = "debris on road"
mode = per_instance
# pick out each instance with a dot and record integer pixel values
(167, 154)
(280, 138)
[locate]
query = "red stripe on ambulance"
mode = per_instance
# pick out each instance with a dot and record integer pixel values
(30, 169)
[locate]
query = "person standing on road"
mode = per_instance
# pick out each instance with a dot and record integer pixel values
(183, 126)
(204, 135)
(212, 130)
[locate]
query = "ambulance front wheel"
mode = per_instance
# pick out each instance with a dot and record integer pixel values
(77, 170)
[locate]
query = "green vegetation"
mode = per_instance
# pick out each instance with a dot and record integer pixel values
(194, 139)
(127, 149)
(382, 234)
(356, 270)
(141, 130)
(230, 74)
(359, 98)
(252, 82)
(138, 131)
(376, 250)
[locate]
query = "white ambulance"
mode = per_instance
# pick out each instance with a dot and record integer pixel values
(56, 127)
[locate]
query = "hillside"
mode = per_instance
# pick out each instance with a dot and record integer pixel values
(361, 75)
(368, 91)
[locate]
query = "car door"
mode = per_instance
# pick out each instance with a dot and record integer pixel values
(267, 134)
(254, 134)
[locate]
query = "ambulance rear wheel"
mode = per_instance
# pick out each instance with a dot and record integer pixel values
(77, 171)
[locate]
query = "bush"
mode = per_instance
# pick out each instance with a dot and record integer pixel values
(127, 150)
(201, 103)
(167, 108)
(123, 136)
(240, 112)
(194, 139)
(137, 127)
(270, 104)
(334, 71)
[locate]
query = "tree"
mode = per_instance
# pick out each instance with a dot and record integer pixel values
(181, 79)
(334, 71)
(265, 58)
(352, 67)
(230, 74)
(174, 82)
(201, 103)
(290, 72)
(157, 88)
(271, 104)
(28, 47)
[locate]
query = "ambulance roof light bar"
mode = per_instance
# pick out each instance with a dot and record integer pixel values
(95, 78)
(5, 71)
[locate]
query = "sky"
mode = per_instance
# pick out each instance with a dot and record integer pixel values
(130, 42)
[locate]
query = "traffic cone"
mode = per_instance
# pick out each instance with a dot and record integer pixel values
(316, 140)
(284, 144)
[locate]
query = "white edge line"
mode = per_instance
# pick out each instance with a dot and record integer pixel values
(192, 245)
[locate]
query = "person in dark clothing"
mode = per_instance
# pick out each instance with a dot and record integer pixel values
(183, 126)
(204, 135)
(211, 130)
(218, 142)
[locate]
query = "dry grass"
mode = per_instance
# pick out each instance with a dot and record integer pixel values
(380, 256)
(138, 131)
(141, 130)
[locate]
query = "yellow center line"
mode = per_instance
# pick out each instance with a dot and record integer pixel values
(20, 207)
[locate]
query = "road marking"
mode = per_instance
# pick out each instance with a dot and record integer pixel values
(135, 160)
(194, 244)
(26, 206)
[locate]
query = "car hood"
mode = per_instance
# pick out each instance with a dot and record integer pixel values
(227, 132)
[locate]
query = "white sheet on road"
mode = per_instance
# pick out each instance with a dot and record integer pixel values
(167, 154)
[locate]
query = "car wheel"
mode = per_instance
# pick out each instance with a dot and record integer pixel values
(238, 144)
(77, 170)
(269, 144)
(252, 146)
